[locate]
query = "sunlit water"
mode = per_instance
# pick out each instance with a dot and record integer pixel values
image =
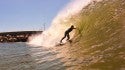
(19, 56)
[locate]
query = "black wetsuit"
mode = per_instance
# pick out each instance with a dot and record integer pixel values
(67, 33)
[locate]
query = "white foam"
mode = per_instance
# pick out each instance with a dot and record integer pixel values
(59, 24)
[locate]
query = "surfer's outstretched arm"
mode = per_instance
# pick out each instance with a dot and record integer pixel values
(74, 28)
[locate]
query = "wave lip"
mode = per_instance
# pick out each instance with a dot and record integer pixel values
(59, 24)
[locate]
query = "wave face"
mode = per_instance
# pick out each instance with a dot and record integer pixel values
(59, 24)
(100, 40)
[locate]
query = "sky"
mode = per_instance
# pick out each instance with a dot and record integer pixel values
(23, 15)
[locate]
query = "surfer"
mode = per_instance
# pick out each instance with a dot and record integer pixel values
(66, 34)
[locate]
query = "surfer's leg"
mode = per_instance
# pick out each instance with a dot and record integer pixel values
(63, 38)
(68, 37)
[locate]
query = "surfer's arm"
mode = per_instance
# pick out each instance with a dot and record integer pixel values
(74, 28)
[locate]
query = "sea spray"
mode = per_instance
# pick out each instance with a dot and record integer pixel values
(52, 36)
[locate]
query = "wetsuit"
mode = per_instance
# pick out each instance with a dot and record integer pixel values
(67, 33)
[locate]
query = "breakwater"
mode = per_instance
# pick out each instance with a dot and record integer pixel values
(21, 36)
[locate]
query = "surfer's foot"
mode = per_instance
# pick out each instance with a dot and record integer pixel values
(69, 41)
(60, 42)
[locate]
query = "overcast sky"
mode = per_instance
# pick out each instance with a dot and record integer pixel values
(18, 15)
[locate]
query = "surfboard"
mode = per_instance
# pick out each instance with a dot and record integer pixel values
(61, 44)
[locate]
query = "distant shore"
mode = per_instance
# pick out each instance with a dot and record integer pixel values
(18, 36)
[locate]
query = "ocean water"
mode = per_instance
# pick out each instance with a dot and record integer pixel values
(19, 56)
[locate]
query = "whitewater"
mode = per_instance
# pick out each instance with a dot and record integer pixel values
(60, 23)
